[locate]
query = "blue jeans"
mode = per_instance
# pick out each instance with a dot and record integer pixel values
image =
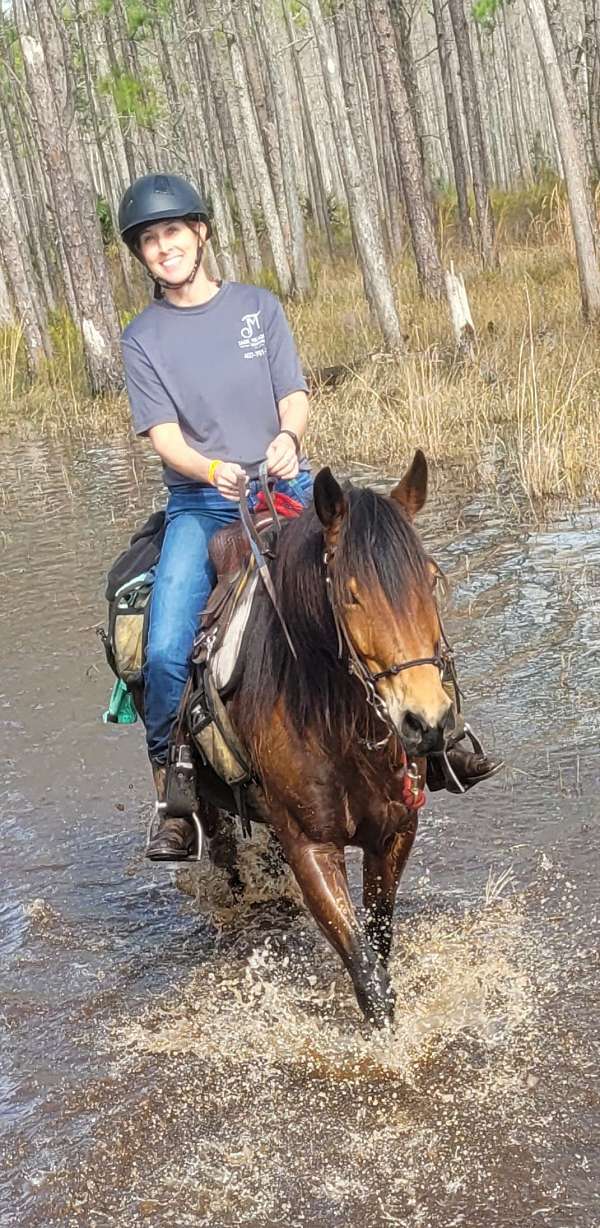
(182, 586)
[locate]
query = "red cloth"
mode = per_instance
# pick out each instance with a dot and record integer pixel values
(284, 505)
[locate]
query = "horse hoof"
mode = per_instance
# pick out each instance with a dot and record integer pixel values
(377, 999)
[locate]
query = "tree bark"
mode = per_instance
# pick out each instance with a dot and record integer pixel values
(287, 157)
(429, 266)
(455, 135)
(320, 202)
(21, 278)
(483, 207)
(267, 198)
(587, 262)
(368, 236)
(75, 212)
(401, 24)
(220, 86)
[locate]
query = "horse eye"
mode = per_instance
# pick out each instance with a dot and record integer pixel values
(352, 598)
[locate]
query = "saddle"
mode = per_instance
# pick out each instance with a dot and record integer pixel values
(229, 548)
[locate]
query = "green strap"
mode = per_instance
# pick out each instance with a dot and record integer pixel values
(121, 708)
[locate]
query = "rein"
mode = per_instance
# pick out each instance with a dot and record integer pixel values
(255, 544)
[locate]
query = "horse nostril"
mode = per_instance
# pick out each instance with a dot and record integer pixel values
(413, 728)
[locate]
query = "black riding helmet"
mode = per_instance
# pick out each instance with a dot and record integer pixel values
(153, 198)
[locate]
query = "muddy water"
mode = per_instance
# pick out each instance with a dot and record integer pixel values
(168, 1059)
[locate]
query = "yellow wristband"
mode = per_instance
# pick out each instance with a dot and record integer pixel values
(212, 468)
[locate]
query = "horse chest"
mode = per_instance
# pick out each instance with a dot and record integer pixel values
(375, 815)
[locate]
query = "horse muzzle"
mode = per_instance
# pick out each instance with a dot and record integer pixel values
(419, 737)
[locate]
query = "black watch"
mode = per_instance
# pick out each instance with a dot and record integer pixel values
(292, 434)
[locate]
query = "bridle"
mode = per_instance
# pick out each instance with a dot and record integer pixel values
(443, 660)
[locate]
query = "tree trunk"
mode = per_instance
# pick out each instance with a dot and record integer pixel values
(21, 277)
(369, 239)
(460, 312)
(429, 266)
(483, 207)
(401, 24)
(592, 56)
(589, 273)
(215, 179)
(353, 106)
(7, 315)
(287, 157)
(46, 68)
(220, 86)
(455, 135)
(512, 77)
(251, 133)
(321, 204)
(560, 38)
(243, 18)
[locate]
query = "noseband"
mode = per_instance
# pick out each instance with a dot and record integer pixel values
(444, 661)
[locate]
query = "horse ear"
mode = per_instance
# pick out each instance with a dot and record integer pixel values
(330, 504)
(411, 491)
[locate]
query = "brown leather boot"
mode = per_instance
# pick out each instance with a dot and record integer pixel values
(173, 839)
(469, 767)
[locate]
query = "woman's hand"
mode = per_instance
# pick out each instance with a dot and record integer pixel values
(282, 461)
(226, 479)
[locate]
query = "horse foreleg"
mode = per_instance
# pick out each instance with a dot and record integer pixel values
(381, 875)
(320, 870)
(220, 832)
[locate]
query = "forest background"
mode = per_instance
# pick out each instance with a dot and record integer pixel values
(417, 179)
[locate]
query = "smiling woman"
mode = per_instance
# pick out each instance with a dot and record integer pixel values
(213, 416)
(171, 249)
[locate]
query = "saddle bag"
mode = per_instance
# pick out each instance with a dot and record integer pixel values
(213, 733)
(140, 557)
(128, 592)
(125, 640)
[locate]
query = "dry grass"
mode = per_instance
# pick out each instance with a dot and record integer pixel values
(528, 407)
(525, 412)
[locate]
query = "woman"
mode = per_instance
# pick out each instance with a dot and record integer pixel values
(215, 382)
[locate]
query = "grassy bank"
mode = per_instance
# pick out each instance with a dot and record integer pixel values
(526, 410)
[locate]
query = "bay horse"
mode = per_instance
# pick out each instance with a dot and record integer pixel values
(331, 731)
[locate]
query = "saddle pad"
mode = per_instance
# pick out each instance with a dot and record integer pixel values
(224, 658)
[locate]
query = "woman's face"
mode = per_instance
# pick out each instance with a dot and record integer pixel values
(169, 248)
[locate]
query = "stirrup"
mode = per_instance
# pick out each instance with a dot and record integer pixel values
(474, 740)
(160, 813)
(447, 769)
(466, 731)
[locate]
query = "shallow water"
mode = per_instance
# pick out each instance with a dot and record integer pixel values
(169, 1059)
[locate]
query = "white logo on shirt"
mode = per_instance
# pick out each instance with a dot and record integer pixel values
(251, 336)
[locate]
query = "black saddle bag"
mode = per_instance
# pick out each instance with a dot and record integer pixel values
(141, 555)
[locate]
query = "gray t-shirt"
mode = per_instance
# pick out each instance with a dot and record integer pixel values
(219, 370)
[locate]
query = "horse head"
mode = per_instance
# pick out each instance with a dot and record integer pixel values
(381, 585)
